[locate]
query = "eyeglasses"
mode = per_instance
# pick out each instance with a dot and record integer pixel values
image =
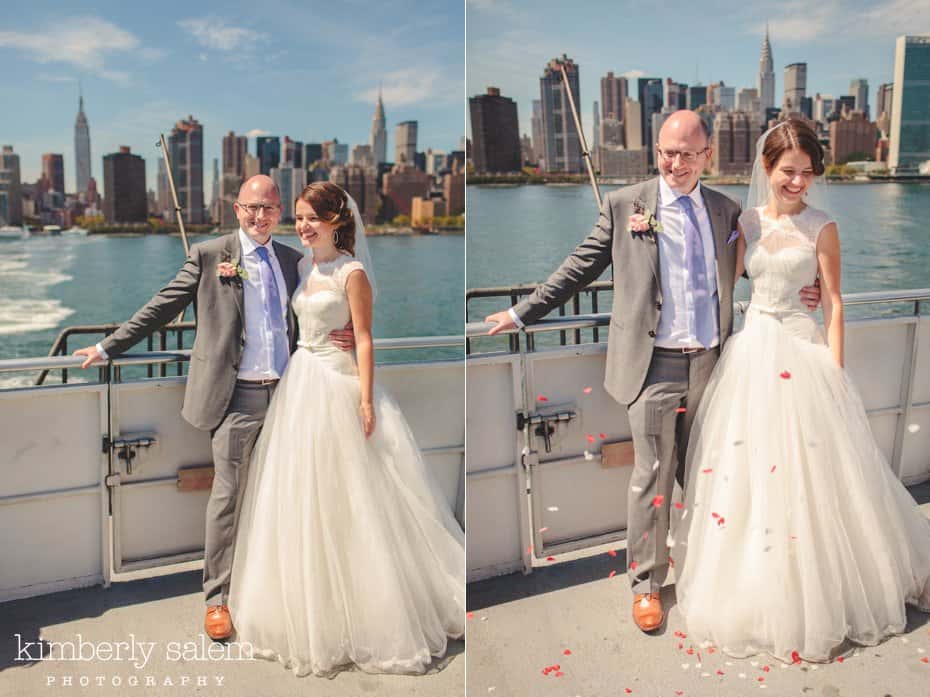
(256, 208)
(685, 155)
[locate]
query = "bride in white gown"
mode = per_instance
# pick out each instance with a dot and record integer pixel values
(795, 533)
(346, 551)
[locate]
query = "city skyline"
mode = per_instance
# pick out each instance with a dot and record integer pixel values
(140, 71)
(510, 42)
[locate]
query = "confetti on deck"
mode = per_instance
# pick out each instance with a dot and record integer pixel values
(590, 438)
(611, 574)
(925, 660)
(633, 565)
(679, 505)
(602, 436)
(588, 390)
(550, 558)
(612, 552)
(658, 500)
(795, 657)
(785, 375)
(840, 659)
(567, 652)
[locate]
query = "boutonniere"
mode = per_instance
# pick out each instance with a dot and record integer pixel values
(643, 222)
(229, 272)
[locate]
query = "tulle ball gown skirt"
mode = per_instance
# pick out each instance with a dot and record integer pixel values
(346, 551)
(795, 533)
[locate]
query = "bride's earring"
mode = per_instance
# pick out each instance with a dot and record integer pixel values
(336, 238)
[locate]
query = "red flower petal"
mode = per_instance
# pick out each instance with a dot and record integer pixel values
(671, 562)
(785, 375)
(721, 521)
(611, 574)
(590, 438)
(658, 500)
(470, 616)
(612, 552)
(720, 672)
(840, 659)
(773, 468)
(711, 649)
(760, 679)
(542, 398)
(766, 669)
(628, 691)
(588, 390)
(690, 651)
(567, 652)
(559, 674)
(633, 565)
(550, 558)
(714, 515)
(602, 436)
(680, 646)
(679, 505)
(795, 657)
(680, 410)
(707, 471)
(556, 667)
(925, 660)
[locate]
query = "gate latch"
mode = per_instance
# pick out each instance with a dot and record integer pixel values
(126, 448)
(545, 424)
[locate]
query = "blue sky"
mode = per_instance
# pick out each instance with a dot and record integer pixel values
(307, 69)
(510, 41)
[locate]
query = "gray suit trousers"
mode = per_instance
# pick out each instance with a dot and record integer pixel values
(660, 441)
(232, 442)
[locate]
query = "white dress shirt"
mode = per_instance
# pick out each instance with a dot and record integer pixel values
(257, 362)
(677, 321)
(677, 326)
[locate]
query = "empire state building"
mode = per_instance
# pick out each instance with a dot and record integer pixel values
(766, 81)
(81, 149)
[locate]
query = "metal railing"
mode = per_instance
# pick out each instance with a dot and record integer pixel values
(165, 358)
(514, 293)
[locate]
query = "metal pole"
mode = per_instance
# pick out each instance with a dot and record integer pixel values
(177, 206)
(584, 144)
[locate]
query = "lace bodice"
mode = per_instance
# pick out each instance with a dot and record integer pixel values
(781, 256)
(321, 305)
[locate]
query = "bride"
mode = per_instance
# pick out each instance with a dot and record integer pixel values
(346, 552)
(795, 533)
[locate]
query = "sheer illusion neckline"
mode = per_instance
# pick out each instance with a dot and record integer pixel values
(764, 213)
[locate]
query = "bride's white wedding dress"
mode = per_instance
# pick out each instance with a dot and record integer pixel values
(346, 552)
(795, 534)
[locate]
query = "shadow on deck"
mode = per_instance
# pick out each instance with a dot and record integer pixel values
(574, 616)
(166, 612)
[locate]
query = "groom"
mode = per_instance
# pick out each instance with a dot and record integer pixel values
(241, 285)
(672, 243)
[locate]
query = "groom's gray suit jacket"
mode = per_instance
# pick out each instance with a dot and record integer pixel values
(220, 313)
(637, 289)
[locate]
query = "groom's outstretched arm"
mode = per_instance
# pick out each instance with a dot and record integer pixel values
(580, 268)
(157, 312)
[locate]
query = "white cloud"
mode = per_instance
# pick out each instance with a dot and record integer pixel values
(801, 21)
(633, 74)
(49, 77)
(256, 132)
(84, 42)
(216, 34)
(413, 86)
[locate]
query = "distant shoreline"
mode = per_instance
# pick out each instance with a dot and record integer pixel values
(511, 181)
(370, 231)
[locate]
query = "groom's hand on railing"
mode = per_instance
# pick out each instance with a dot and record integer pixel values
(502, 321)
(810, 295)
(343, 338)
(93, 356)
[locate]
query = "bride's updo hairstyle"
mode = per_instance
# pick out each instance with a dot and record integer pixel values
(331, 204)
(792, 134)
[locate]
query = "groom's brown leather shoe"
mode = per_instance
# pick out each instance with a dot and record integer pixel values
(218, 622)
(647, 611)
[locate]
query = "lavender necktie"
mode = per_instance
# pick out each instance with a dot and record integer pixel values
(274, 311)
(704, 311)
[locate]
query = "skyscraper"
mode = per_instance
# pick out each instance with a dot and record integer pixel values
(650, 92)
(633, 125)
(765, 83)
(268, 150)
(378, 139)
(235, 149)
(163, 190)
(11, 195)
(293, 153)
(405, 142)
(910, 123)
(361, 184)
(495, 132)
(614, 90)
(596, 135)
(185, 143)
(883, 107)
(562, 151)
(82, 167)
(795, 87)
(290, 182)
(539, 139)
(124, 187)
(697, 95)
(53, 169)
(859, 89)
